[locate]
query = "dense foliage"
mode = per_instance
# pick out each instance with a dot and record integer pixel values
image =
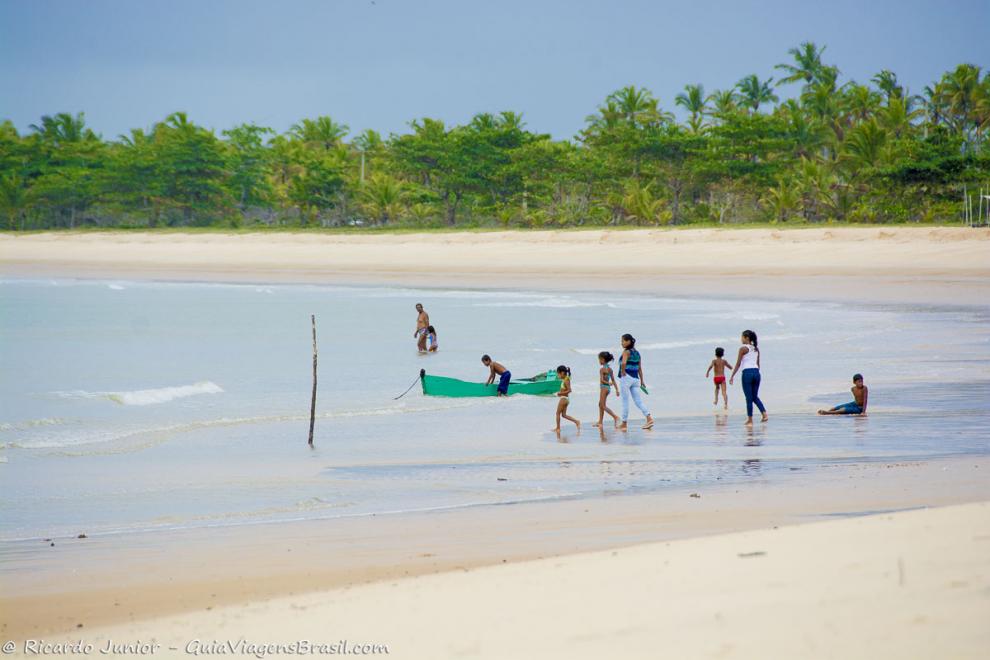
(846, 152)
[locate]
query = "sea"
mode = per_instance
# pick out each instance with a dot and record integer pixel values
(132, 406)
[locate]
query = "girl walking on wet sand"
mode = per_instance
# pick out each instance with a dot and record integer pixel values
(631, 380)
(564, 394)
(749, 362)
(606, 381)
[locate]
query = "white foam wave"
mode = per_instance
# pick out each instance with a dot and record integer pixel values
(554, 303)
(131, 438)
(147, 397)
(31, 423)
(744, 316)
(115, 287)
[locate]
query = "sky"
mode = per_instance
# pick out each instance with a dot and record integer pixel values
(380, 64)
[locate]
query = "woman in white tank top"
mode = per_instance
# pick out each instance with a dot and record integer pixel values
(749, 362)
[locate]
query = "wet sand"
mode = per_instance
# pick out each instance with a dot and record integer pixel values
(105, 580)
(902, 585)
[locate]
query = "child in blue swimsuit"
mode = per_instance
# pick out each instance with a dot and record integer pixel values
(606, 381)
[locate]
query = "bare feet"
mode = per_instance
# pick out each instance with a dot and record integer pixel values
(765, 417)
(578, 425)
(623, 427)
(649, 423)
(749, 421)
(597, 425)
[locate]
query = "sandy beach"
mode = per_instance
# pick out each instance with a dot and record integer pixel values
(902, 585)
(276, 583)
(867, 559)
(888, 264)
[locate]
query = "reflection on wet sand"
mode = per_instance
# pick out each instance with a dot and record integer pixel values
(755, 436)
(752, 467)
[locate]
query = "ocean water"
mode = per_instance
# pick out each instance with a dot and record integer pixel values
(131, 406)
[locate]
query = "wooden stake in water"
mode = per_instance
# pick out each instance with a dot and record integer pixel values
(312, 406)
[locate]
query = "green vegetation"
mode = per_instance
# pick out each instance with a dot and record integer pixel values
(849, 152)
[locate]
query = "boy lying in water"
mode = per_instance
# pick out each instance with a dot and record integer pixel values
(861, 394)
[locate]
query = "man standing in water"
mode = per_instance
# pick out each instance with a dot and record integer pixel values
(422, 323)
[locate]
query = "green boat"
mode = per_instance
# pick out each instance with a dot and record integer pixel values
(540, 384)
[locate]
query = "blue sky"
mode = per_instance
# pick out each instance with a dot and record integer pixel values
(381, 63)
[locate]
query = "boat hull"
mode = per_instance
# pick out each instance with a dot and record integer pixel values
(453, 387)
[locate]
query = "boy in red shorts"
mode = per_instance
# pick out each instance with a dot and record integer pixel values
(719, 364)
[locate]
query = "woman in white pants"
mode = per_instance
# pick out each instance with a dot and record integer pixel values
(631, 380)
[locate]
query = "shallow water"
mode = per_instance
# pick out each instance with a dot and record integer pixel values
(127, 406)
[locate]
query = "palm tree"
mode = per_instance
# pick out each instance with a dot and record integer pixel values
(886, 82)
(815, 182)
(178, 121)
(821, 99)
(693, 100)
(639, 203)
(864, 145)
(512, 121)
(322, 132)
(806, 130)
(933, 102)
(64, 128)
(783, 199)
(369, 141)
(961, 92)
(483, 121)
(753, 92)
(807, 64)
(723, 102)
(638, 107)
(859, 101)
(14, 198)
(382, 198)
(607, 118)
(286, 160)
(982, 109)
(898, 115)
(137, 138)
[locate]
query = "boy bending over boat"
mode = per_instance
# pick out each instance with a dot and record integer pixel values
(496, 369)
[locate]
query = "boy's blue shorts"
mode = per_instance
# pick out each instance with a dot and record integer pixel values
(503, 382)
(850, 408)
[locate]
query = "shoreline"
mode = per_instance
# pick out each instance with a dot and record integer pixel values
(104, 581)
(946, 265)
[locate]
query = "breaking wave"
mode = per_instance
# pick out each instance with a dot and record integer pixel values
(148, 397)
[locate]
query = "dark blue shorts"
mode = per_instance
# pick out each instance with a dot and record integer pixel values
(503, 382)
(849, 409)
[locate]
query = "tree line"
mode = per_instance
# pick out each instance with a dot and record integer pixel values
(837, 151)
